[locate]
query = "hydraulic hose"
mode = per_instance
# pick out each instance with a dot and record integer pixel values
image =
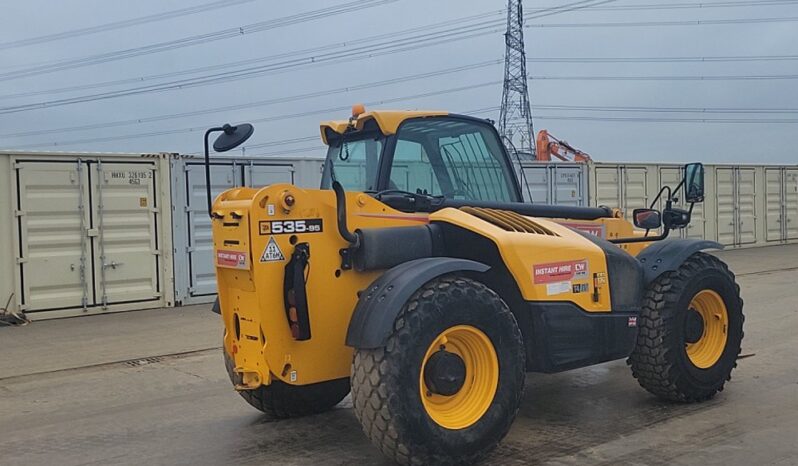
(340, 205)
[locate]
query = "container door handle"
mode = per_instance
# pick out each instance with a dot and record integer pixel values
(112, 264)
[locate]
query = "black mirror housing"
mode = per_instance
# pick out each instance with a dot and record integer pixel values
(648, 219)
(694, 182)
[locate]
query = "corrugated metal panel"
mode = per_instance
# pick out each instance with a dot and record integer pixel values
(608, 187)
(568, 185)
(726, 205)
(634, 189)
(87, 236)
(774, 192)
(124, 205)
(536, 178)
(791, 202)
(55, 250)
(746, 202)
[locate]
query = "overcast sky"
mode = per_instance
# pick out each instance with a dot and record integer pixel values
(761, 86)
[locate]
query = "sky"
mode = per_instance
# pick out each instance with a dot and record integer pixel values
(624, 80)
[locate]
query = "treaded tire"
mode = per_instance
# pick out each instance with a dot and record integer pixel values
(659, 361)
(385, 381)
(280, 400)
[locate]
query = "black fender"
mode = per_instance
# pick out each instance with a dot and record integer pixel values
(664, 256)
(216, 307)
(380, 303)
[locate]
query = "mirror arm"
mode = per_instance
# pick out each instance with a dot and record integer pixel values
(208, 169)
(659, 195)
(642, 239)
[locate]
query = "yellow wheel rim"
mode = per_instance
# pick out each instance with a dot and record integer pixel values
(470, 403)
(705, 352)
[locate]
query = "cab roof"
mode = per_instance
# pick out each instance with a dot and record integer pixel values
(387, 121)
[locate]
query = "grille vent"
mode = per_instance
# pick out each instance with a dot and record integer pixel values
(508, 220)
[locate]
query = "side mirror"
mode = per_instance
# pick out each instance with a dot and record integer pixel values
(232, 137)
(694, 182)
(648, 219)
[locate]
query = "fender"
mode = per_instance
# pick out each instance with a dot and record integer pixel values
(380, 303)
(667, 255)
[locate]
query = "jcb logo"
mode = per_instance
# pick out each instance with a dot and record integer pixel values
(279, 227)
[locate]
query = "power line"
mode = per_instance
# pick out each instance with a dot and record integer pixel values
(698, 22)
(697, 5)
(228, 65)
(667, 78)
(458, 32)
(260, 103)
(645, 109)
(696, 59)
(671, 120)
(120, 24)
(280, 117)
(228, 33)
(351, 54)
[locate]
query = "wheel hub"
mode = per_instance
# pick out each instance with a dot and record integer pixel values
(444, 373)
(693, 326)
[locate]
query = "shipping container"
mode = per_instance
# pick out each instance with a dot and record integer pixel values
(89, 232)
(194, 273)
(623, 186)
(555, 183)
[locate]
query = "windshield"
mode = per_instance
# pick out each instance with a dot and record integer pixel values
(451, 157)
(354, 163)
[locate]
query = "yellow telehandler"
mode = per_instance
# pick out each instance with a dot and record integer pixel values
(419, 280)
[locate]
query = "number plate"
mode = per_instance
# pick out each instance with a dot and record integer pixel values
(284, 227)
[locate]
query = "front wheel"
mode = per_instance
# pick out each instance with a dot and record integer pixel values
(446, 387)
(690, 331)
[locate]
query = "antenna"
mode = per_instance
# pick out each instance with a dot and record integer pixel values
(515, 119)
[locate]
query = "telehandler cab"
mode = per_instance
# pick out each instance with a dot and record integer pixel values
(417, 278)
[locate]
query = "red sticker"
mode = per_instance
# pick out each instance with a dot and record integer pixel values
(589, 228)
(561, 271)
(231, 259)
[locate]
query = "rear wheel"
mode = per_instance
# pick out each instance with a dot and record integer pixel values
(446, 387)
(690, 331)
(280, 400)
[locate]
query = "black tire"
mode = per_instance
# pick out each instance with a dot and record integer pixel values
(660, 361)
(280, 400)
(385, 381)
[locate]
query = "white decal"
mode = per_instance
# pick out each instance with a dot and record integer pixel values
(558, 288)
(272, 252)
(270, 209)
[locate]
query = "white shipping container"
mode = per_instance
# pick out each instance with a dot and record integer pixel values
(555, 183)
(87, 232)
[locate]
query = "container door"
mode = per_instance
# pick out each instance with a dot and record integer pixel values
(791, 202)
(201, 271)
(774, 204)
(537, 179)
(724, 187)
(746, 202)
(258, 176)
(567, 186)
(608, 187)
(124, 225)
(54, 257)
(635, 190)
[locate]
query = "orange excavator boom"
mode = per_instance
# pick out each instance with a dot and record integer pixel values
(546, 146)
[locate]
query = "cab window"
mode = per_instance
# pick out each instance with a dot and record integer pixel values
(451, 157)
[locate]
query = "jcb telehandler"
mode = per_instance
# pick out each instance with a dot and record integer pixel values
(417, 278)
